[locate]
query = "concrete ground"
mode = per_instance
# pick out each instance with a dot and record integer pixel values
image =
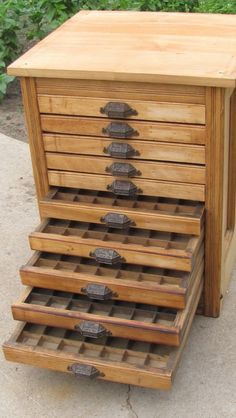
(206, 380)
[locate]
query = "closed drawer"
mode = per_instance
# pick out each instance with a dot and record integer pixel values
(117, 128)
(137, 186)
(129, 109)
(155, 213)
(109, 358)
(112, 246)
(129, 282)
(130, 168)
(100, 318)
(144, 150)
(158, 102)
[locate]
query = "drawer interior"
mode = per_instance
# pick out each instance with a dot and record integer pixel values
(117, 359)
(157, 213)
(128, 282)
(95, 318)
(113, 246)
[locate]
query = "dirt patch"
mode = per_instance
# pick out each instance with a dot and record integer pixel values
(11, 113)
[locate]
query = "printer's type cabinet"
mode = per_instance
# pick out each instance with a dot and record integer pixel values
(132, 131)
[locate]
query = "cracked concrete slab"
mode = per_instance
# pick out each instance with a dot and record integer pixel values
(206, 380)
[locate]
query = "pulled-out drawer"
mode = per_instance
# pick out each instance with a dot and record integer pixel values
(129, 188)
(109, 358)
(186, 173)
(113, 246)
(117, 128)
(145, 150)
(156, 213)
(129, 282)
(99, 318)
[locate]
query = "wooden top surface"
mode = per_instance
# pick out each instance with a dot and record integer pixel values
(175, 48)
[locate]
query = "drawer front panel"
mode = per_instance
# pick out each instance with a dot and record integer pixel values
(136, 186)
(129, 282)
(157, 249)
(145, 150)
(97, 319)
(153, 213)
(128, 168)
(130, 109)
(117, 360)
(122, 90)
(151, 131)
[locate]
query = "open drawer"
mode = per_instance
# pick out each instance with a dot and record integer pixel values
(98, 318)
(156, 213)
(112, 246)
(132, 283)
(109, 358)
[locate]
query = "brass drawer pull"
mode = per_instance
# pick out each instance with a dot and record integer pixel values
(118, 150)
(98, 291)
(85, 370)
(117, 220)
(123, 169)
(92, 329)
(106, 256)
(119, 130)
(118, 110)
(124, 188)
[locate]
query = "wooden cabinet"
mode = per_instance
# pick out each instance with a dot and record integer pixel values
(132, 138)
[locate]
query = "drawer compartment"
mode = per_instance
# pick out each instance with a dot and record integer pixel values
(126, 187)
(145, 150)
(129, 282)
(187, 173)
(113, 359)
(129, 109)
(98, 318)
(171, 215)
(117, 128)
(113, 246)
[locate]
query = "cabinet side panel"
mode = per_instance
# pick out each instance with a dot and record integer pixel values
(230, 237)
(35, 136)
(214, 199)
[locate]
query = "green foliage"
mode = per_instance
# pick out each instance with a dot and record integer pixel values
(217, 6)
(33, 19)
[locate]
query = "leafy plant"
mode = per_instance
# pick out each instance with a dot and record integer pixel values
(33, 19)
(217, 6)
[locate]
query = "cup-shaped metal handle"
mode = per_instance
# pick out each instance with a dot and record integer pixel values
(92, 329)
(118, 110)
(124, 188)
(117, 220)
(118, 150)
(98, 291)
(119, 130)
(123, 169)
(106, 256)
(85, 370)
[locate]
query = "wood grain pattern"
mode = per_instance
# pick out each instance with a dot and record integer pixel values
(144, 170)
(128, 283)
(146, 150)
(178, 254)
(153, 111)
(174, 48)
(214, 200)
(151, 131)
(147, 369)
(156, 215)
(35, 136)
(147, 187)
(124, 320)
(172, 93)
